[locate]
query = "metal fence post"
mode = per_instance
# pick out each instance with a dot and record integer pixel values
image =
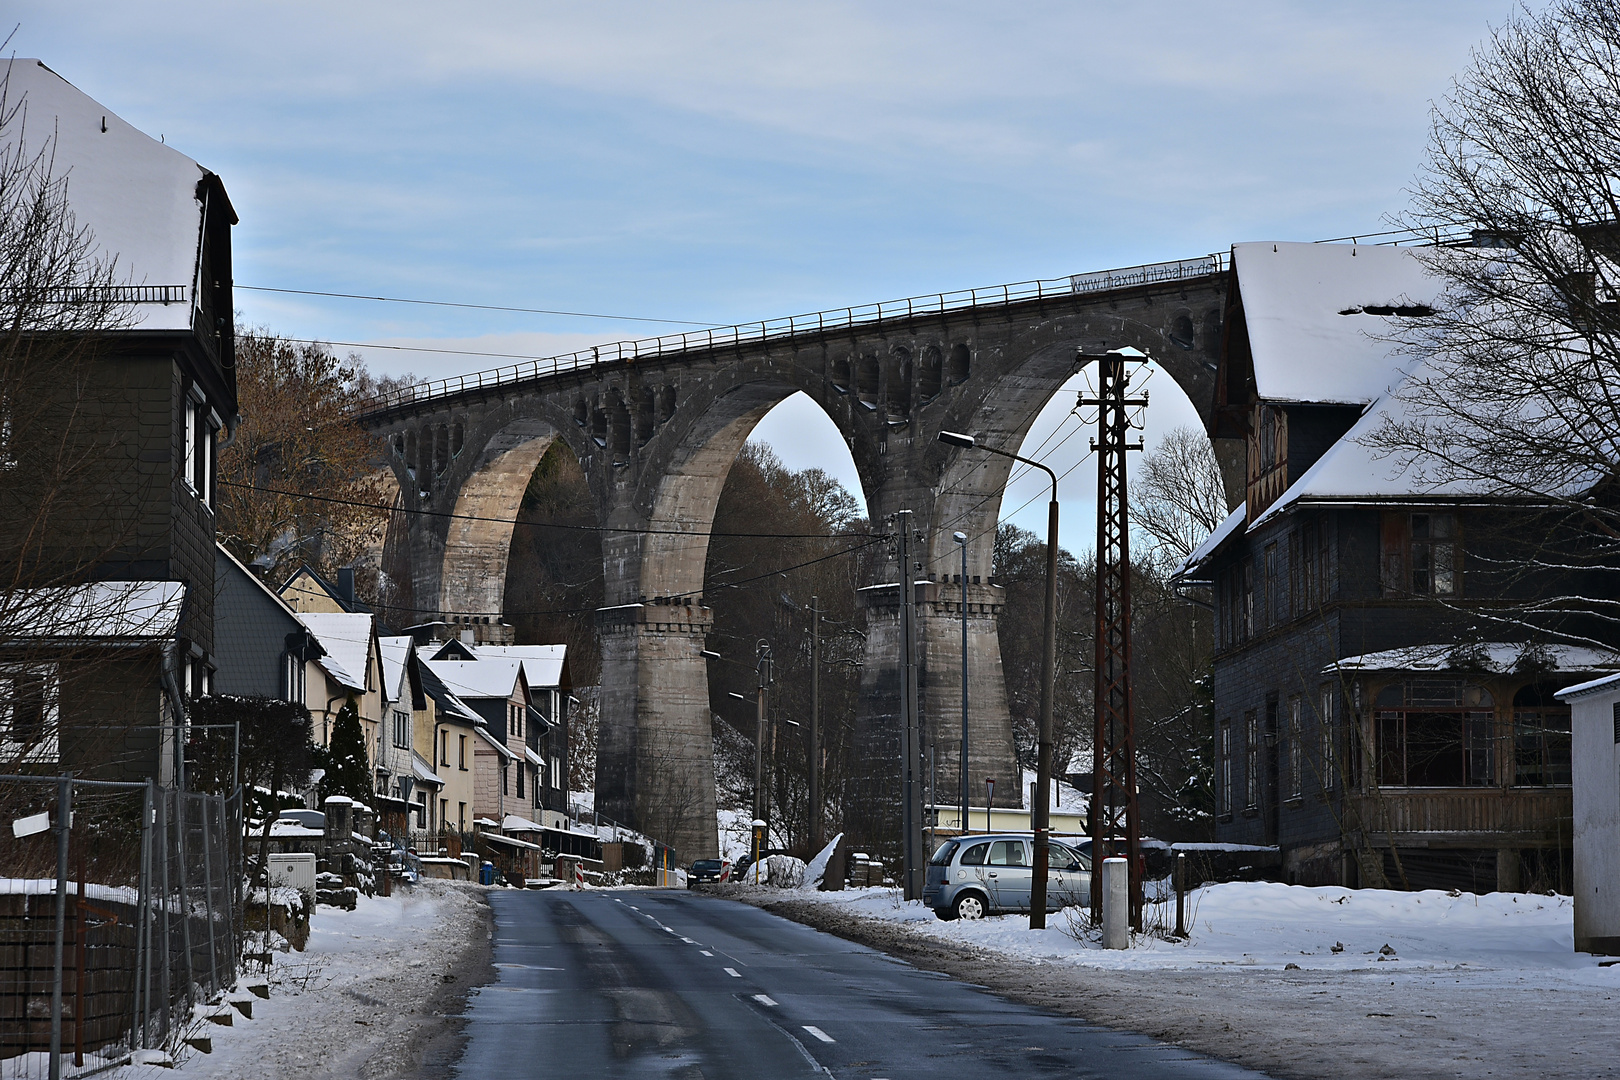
(64, 816)
(164, 985)
(141, 1005)
(208, 890)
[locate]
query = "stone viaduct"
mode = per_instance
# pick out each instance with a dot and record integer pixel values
(656, 425)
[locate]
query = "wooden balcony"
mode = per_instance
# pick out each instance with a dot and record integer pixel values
(1467, 817)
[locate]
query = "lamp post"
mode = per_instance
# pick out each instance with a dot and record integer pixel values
(1041, 812)
(961, 541)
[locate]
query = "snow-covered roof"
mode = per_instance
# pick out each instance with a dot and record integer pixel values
(478, 678)
(423, 770)
(108, 611)
(514, 823)
(542, 664)
(396, 653)
(434, 688)
(505, 751)
(1295, 299)
(137, 196)
(1587, 689)
(1232, 524)
(534, 758)
(1495, 657)
(347, 641)
(1352, 471)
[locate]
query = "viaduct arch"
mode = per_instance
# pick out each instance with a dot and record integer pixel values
(656, 426)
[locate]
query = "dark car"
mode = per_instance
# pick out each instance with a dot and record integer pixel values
(708, 870)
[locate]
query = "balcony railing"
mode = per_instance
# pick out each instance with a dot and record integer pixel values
(1527, 814)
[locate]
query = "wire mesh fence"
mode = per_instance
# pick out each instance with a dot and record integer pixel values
(119, 913)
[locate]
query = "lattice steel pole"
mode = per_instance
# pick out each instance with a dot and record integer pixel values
(1115, 822)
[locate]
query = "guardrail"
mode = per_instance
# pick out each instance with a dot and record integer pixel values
(819, 322)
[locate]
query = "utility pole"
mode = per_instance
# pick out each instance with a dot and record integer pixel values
(962, 542)
(815, 725)
(761, 803)
(1115, 822)
(910, 744)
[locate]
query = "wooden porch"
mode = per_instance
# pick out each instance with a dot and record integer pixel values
(1466, 817)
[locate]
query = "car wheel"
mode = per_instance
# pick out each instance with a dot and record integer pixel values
(969, 906)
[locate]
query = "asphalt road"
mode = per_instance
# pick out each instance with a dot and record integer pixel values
(642, 983)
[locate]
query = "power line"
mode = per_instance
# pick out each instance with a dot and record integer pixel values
(476, 307)
(538, 524)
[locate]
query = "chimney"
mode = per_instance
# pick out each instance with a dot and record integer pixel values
(345, 585)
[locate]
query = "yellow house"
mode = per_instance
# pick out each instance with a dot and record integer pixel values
(353, 667)
(307, 591)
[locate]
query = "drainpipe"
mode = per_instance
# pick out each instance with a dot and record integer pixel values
(177, 702)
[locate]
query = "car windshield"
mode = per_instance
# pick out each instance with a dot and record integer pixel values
(706, 864)
(942, 854)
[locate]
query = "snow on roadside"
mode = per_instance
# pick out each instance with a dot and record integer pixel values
(359, 989)
(1268, 925)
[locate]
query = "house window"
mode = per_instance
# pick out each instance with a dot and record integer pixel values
(1223, 768)
(1272, 602)
(521, 769)
(506, 779)
(1296, 759)
(556, 772)
(1420, 554)
(461, 817)
(197, 467)
(444, 810)
(461, 759)
(1325, 730)
(1246, 610)
(1435, 733)
(29, 713)
(293, 678)
(1251, 762)
(1541, 738)
(402, 729)
(444, 748)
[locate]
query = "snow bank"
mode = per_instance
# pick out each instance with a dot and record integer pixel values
(1267, 925)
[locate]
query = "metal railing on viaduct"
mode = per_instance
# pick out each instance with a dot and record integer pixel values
(814, 323)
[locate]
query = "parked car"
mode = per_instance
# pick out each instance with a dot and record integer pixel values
(708, 870)
(970, 877)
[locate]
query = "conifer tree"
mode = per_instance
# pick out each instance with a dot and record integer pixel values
(348, 772)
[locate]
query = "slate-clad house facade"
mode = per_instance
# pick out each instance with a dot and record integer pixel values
(1368, 720)
(155, 399)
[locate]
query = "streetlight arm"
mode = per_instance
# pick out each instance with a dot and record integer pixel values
(968, 442)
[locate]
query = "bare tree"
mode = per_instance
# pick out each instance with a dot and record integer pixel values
(1178, 497)
(1514, 385)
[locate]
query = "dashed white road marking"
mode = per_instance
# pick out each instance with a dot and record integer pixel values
(818, 1033)
(689, 941)
(705, 952)
(732, 972)
(764, 1000)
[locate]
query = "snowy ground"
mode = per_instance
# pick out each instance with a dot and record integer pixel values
(363, 999)
(1470, 985)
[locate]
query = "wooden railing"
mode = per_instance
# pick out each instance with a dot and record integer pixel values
(1523, 813)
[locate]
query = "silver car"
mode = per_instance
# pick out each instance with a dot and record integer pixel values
(972, 876)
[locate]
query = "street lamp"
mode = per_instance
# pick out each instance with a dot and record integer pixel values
(961, 541)
(1041, 811)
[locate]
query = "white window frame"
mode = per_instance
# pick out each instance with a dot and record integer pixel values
(402, 729)
(1223, 753)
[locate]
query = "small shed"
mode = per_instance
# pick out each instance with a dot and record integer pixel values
(1595, 731)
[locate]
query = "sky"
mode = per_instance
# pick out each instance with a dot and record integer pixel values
(724, 162)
